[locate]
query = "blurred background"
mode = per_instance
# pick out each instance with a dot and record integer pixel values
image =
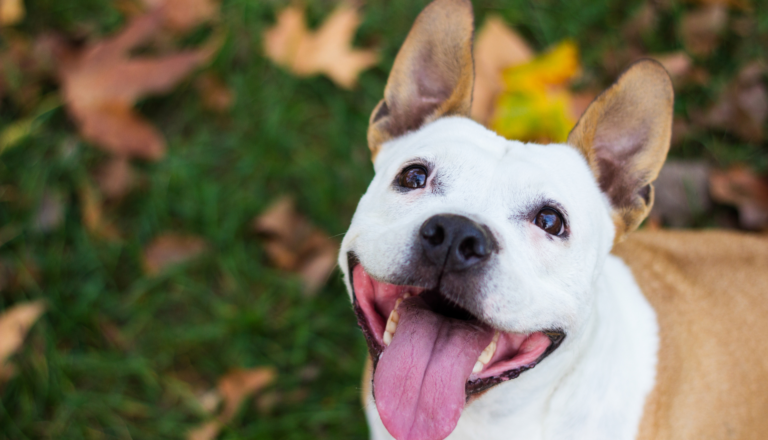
(176, 176)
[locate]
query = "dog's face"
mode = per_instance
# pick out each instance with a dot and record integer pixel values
(471, 258)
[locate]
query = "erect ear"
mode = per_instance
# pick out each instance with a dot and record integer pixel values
(432, 75)
(624, 134)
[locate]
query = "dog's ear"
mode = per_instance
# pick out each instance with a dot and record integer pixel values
(432, 75)
(625, 134)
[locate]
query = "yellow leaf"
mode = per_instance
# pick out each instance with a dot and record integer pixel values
(11, 12)
(328, 50)
(14, 325)
(497, 47)
(535, 104)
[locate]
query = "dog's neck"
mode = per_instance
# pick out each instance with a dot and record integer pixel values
(593, 387)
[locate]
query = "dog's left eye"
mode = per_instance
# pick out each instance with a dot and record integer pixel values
(413, 177)
(549, 220)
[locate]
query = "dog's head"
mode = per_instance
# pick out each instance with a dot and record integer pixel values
(471, 257)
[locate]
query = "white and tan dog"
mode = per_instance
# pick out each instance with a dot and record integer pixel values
(472, 259)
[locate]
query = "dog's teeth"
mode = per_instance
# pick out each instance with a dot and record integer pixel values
(489, 351)
(391, 325)
(478, 367)
(391, 328)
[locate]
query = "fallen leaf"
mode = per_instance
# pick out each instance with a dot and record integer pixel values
(236, 385)
(294, 244)
(215, 94)
(171, 249)
(678, 64)
(328, 50)
(535, 104)
(233, 388)
(92, 213)
(15, 322)
(115, 178)
(579, 103)
(101, 83)
(183, 15)
(496, 48)
(742, 107)
(701, 28)
(743, 5)
(50, 212)
(11, 12)
(643, 22)
(207, 431)
(740, 187)
(682, 193)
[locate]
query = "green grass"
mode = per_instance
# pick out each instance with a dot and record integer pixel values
(230, 309)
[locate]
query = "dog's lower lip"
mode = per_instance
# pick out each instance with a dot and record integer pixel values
(477, 382)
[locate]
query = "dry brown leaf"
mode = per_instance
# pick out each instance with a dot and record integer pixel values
(233, 388)
(497, 47)
(644, 21)
(183, 15)
(743, 5)
(171, 249)
(92, 213)
(742, 188)
(207, 431)
(236, 385)
(678, 64)
(328, 50)
(15, 322)
(294, 244)
(11, 12)
(701, 28)
(115, 178)
(742, 107)
(215, 94)
(101, 83)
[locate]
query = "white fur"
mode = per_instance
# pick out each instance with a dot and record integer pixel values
(593, 386)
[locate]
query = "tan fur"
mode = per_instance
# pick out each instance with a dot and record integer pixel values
(710, 292)
(432, 76)
(627, 130)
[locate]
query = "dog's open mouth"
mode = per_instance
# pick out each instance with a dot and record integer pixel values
(431, 355)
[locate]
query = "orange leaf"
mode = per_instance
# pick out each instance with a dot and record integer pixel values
(701, 29)
(15, 322)
(496, 48)
(294, 244)
(171, 249)
(101, 83)
(215, 94)
(236, 385)
(91, 210)
(328, 50)
(740, 187)
(115, 178)
(183, 15)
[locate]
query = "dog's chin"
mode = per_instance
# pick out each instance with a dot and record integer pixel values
(431, 356)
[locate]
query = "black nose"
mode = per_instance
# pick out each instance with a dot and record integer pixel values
(455, 241)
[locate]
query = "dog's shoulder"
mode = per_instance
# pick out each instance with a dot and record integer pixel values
(710, 292)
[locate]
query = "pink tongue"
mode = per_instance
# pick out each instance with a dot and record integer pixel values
(420, 378)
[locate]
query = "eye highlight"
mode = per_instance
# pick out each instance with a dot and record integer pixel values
(550, 220)
(413, 177)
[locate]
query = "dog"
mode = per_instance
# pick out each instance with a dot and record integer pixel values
(502, 291)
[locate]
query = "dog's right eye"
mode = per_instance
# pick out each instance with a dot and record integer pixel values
(413, 177)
